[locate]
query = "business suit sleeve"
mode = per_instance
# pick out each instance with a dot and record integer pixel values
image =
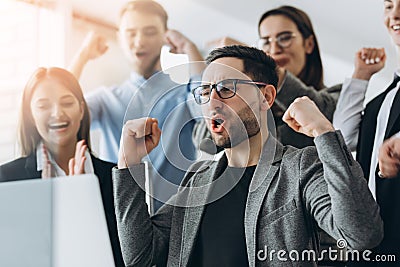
(347, 116)
(292, 88)
(144, 239)
(336, 193)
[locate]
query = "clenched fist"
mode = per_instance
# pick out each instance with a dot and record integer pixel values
(304, 117)
(139, 138)
(389, 157)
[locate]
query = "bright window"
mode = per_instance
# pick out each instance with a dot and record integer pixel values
(30, 37)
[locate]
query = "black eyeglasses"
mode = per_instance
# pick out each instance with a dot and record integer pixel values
(283, 39)
(225, 89)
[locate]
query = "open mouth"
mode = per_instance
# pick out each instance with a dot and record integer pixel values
(58, 125)
(217, 124)
(140, 54)
(396, 27)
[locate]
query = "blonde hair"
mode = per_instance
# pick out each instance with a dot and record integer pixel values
(145, 6)
(28, 135)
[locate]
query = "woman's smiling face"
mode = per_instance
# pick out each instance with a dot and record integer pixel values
(56, 112)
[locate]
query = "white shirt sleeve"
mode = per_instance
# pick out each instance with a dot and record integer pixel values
(347, 116)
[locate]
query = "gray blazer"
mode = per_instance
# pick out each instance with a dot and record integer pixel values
(292, 191)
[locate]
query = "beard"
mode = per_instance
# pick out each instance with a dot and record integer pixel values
(147, 67)
(245, 125)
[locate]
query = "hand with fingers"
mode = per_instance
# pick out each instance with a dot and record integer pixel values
(48, 168)
(139, 138)
(76, 165)
(178, 42)
(389, 158)
(368, 61)
(94, 45)
(304, 117)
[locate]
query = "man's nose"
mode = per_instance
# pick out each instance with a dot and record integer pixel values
(215, 100)
(139, 39)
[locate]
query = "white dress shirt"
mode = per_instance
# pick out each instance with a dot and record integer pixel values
(58, 171)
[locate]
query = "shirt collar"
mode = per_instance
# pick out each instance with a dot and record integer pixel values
(138, 79)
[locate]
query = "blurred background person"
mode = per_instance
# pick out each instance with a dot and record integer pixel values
(142, 33)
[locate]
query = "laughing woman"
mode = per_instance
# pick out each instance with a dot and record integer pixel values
(54, 139)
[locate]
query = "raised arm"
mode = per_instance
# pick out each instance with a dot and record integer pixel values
(92, 47)
(347, 116)
(144, 240)
(335, 192)
(180, 44)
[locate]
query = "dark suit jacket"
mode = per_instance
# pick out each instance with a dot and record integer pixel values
(26, 168)
(387, 190)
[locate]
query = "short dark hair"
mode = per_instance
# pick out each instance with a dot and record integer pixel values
(312, 74)
(145, 6)
(259, 66)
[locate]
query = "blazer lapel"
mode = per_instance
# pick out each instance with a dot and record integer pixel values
(197, 200)
(263, 175)
(31, 166)
(394, 114)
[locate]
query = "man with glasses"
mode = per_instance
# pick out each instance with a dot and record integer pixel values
(261, 200)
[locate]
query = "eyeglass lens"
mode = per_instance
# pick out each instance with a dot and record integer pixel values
(283, 39)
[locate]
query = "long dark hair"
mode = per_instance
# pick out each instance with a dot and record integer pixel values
(28, 135)
(312, 74)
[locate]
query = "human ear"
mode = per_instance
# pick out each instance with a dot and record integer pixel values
(268, 97)
(309, 44)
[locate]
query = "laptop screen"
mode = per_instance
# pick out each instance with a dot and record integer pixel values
(57, 222)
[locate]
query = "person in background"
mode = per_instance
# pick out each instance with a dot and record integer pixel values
(372, 130)
(261, 197)
(287, 35)
(54, 139)
(142, 33)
